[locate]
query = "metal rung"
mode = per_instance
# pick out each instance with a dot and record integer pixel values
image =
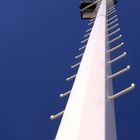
(114, 32)
(87, 35)
(116, 38)
(117, 58)
(110, 5)
(96, 10)
(82, 48)
(116, 47)
(110, 2)
(71, 77)
(89, 6)
(111, 13)
(93, 17)
(89, 30)
(80, 55)
(112, 10)
(91, 23)
(112, 27)
(84, 40)
(108, 14)
(65, 94)
(112, 22)
(91, 20)
(122, 92)
(119, 72)
(53, 117)
(111, 18)
(76, 65)
(94, 13)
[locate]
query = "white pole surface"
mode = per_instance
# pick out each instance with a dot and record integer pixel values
(89, 114)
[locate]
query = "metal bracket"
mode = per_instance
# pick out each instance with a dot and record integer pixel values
(122, 92)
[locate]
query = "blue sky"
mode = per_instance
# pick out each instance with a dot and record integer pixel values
(38, 42)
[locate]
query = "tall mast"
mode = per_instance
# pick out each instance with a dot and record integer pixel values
(89, 113)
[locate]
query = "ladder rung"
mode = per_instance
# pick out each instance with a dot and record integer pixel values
(112, 22)
(122, 92)
(111, 13)
(111, 10)
(91, 20)
(116, 47)
(94, 13)
(117, 58)
(119, 72)
(112, 27)
(91, 23)
(83, 41)
(53, 117)
(75, 65)
(114, 32)
(65, 94)
(80, 55)
(82, 48)
(87, 34)
(71, 77)
(111, 6)
(111, 18)
(115, 39)
(88, 29)
(109, 3)
(94, 16)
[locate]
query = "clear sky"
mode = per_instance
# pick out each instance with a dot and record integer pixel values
(38, 42)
